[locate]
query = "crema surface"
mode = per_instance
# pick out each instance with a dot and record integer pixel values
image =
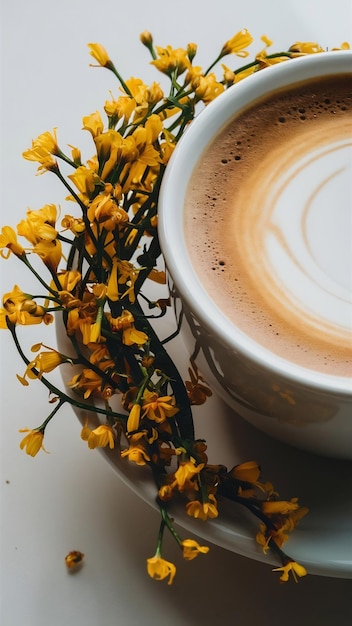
(268, 221)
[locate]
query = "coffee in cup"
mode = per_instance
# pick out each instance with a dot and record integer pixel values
(268, 222)
(255, 227)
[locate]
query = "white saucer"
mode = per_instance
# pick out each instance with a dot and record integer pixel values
(322, 542)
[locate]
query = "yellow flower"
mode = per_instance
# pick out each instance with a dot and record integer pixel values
(8, 240)
(81, 314)
(134, 418)
(229, 75)
(76, 154)
(122, 108)
(85, 179)
(283, 525)
(131, 336)
(39, 225)
(138, 88)
(47, 141)
(100, 437)
(185, 472)
(105, 210)
(283, 507)
(93, 123)
(44, 362)
(33, 442)
(191, 549)
(50, 253)
(263, 59)
(75, 224)
(68, 279)
(125, 324)
(236, 45)
(291, 567)
(203, 510)
(306, 47)
(98, 52)
(20, 308)
(159, 569)
(114, 150)
(248, 472)
(39, 229)
(207, 88)
(137, 454)
(154, 94)
(171, 59)
(158, 408)
(47, 163)
(42, 149)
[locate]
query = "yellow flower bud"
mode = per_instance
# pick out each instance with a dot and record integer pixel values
(191, 51)
(146, 38)
(134, 418)
(8, 240)
(98, 52)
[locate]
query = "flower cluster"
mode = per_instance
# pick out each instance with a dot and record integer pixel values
(92, 264)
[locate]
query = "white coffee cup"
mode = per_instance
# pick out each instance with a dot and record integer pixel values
(296, 404)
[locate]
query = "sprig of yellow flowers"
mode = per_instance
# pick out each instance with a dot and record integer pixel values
(92, 270)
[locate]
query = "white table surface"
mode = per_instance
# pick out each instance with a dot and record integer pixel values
(71, 498)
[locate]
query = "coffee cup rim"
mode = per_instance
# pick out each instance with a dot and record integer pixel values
(201, 132)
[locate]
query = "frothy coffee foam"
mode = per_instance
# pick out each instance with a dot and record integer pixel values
(268, 222)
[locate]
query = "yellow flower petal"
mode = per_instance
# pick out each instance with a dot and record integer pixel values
(33, 442)
(159, 569)
(191, 549)
(99, 53)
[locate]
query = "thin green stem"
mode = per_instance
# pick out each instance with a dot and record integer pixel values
(120, 79)
(257, 62)
(168, 523)
(66, 159)
(218, 58)
(51, 415)
(159, 544)
(38, 276)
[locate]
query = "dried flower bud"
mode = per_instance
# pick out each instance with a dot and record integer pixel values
(74, 558)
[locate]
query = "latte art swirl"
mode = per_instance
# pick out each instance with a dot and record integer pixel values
(296, 214)
(269, 223)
